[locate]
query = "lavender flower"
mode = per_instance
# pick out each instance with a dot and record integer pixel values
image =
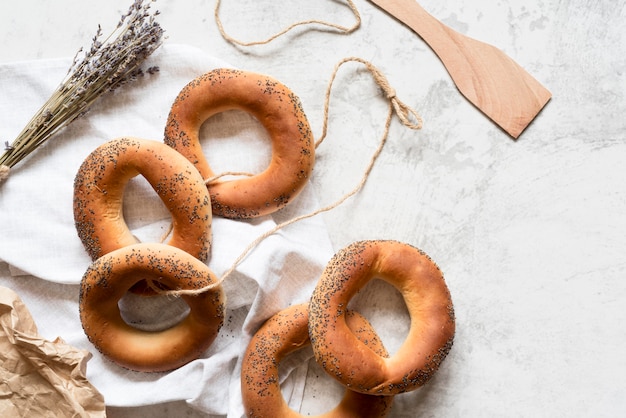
(108, 64)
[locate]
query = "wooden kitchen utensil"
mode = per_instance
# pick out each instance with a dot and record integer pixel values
(485, 75)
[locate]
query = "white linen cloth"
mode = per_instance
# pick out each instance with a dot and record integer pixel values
(45, 260)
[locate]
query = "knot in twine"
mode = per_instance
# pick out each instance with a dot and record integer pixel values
(4, 172)
(403, 111)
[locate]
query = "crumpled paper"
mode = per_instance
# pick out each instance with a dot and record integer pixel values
(44, 259)
(38, 377)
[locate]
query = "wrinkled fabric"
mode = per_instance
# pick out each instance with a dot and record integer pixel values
(45, 259)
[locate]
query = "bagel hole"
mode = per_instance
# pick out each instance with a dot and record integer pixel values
(321, 392)
(152, 312)
(250, 153)
(384, 307)
(142, 208)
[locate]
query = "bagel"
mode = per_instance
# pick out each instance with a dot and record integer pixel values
(108, 279)
(278, 110)
(99, 192)
(282, 334)
(428, 300)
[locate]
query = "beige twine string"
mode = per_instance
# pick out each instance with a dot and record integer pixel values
(404, 113)
(342, 29)
(227, 173)
(4, 173)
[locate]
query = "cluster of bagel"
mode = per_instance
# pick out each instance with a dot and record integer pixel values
(178, 171)
(343, 342)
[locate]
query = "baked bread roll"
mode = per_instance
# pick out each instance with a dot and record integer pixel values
(108, 279)
(428, 300)
(277, 108)
(284, 333)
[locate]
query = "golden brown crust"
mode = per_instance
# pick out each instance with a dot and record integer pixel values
(430, 307)
(284, 333)
(99, 190)
(277, 108)
(107, 280)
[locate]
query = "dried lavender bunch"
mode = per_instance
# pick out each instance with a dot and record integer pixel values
(107, 65)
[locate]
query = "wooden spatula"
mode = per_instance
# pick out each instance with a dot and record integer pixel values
(485, 75)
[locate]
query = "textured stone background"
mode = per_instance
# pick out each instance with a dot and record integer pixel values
(530, 234)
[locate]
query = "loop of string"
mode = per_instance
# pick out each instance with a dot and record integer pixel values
(403, 112)
(342, 29)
